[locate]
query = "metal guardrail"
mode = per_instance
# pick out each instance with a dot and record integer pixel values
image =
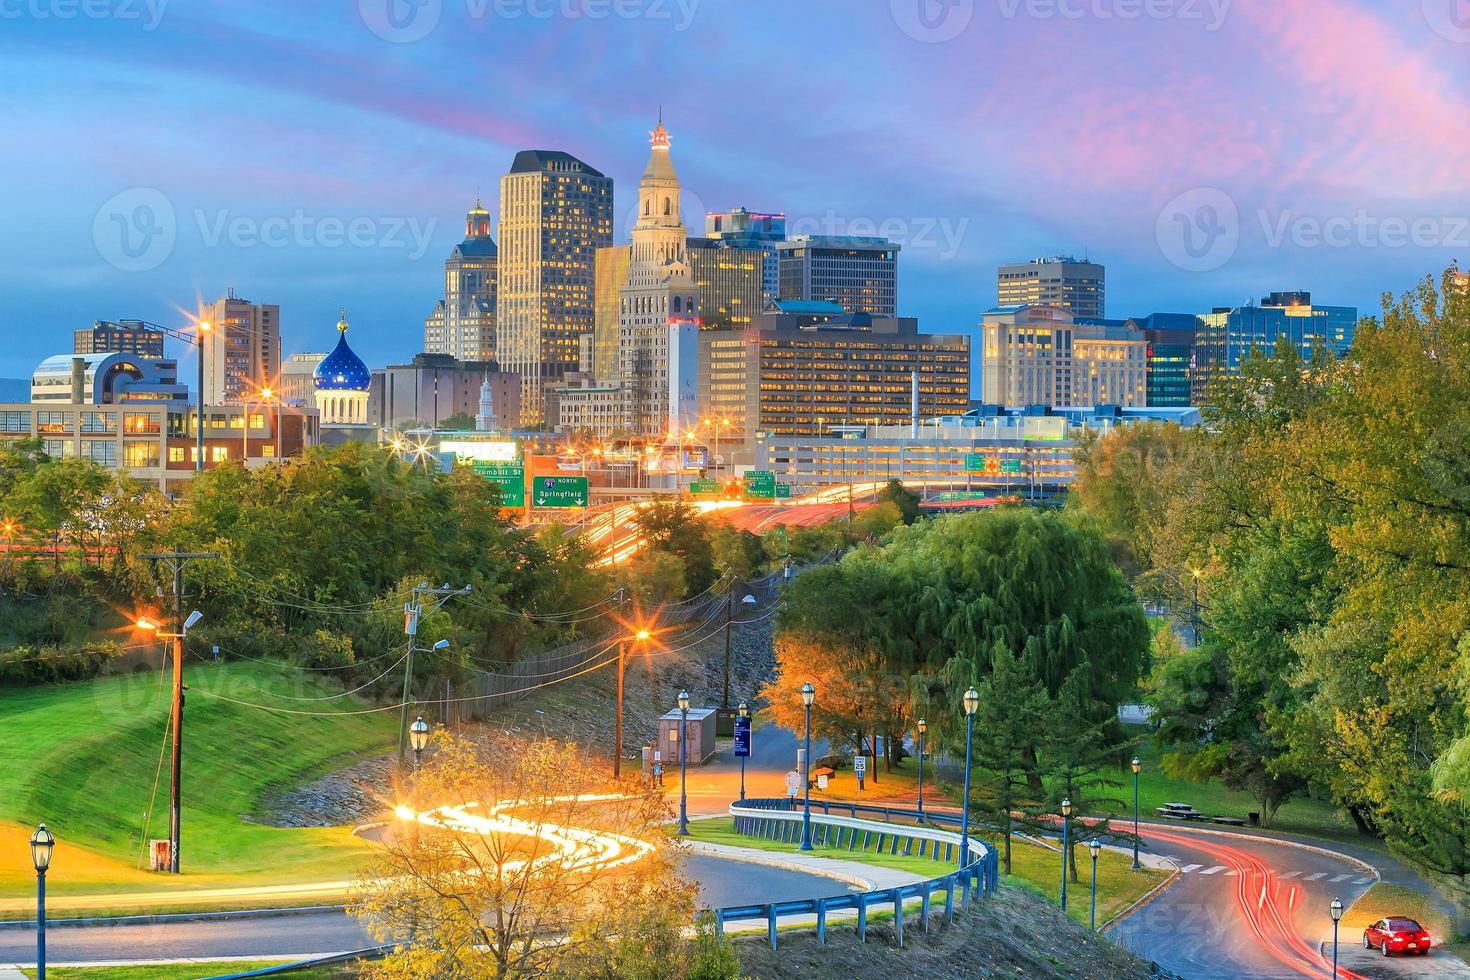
(779, 819)
(336, 959)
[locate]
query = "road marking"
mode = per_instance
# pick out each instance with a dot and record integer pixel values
(1319, 874)
(1289, 874)
(1210, 871)
(1361, 881)
(1340, 878)
(1190, 867)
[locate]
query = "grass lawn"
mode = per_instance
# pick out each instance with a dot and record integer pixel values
(182, 971)
(84, 757)
(1032, 866)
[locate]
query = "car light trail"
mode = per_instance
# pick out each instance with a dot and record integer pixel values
(1258, 893)
(580, 847)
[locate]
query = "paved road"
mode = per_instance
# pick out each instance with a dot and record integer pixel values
(1243, 907)
(721, 883)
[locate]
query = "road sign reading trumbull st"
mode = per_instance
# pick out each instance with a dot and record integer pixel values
(508, 475)
(559, 491)
(761, 484)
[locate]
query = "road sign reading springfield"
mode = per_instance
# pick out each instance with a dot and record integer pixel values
(559, 491)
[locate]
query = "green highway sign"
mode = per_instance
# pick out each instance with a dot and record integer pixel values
(509, 475)
(760, 483)
(704, 486)
(783, 491)
(559, 491)
(1010, 466)
(975, 463)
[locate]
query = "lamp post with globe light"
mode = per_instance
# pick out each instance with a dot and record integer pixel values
(972, 704)
(1095, 846)
(808, 695)
(1336, 909)
(1136, 766)
(683, 763)
(1066, 846)
(43, 842)
(922, 727)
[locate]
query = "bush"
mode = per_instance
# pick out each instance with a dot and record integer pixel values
(28, 665)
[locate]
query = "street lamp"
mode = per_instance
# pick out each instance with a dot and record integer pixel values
(1136, 766)
(922, 728)
(972, 704)
(683, 763)
(808, 695)
(1066, 846)
(1094, 846)
(43, 842)
(744, 712)
(202, 328)
(418, 737)
(1336, 909)
(642, 636)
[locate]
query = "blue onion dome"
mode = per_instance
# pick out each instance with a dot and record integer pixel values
(342, 370)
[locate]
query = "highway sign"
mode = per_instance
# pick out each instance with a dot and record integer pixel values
(760, 483)
(859, 765)
(742, 737)
(783, 491)
(509, 475)
(559, 491)
(1010, 466)
(704, 486)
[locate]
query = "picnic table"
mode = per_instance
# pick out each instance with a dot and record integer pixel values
(1179, 811)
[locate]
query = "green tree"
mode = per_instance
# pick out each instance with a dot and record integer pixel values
(903, 498)
(1010, 722)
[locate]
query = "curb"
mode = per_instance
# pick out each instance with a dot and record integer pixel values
(1147, 897)
(165, 918)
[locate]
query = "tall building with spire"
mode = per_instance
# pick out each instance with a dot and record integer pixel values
(555, 213)
(462, 324)
(658, 315)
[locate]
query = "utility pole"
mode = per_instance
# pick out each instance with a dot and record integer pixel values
(412, 611)
(175, 561)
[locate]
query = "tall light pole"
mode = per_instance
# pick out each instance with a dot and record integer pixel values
(642, 637)
(748, 600)
(1194, 606)
(972, 704)
(42, 844)
(1094, 846)
(1136, 766)
(1336, 909)
(922, 728)
(744, 712)
(683, 763)
(1066, 846)
(808, 695)
(202, 328)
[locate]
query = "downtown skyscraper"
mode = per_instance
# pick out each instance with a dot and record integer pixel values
(555, 213)
(462, 324)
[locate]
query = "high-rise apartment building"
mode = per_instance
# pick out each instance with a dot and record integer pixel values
(658, 313)
(742, 228)
(125, 337)
(1039, 355)
(462, 324)
(860, 274)
(555, 213)
(1228, 334)
(1060, 281)
(242, 350)
(794, 375)
(611, 275)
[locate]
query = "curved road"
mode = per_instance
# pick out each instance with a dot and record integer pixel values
(722, 882)
(1244, 906)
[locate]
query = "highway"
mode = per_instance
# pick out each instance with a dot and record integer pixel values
(1244, 906)
(721, 882)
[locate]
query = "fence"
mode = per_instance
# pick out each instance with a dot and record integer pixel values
(779, 819)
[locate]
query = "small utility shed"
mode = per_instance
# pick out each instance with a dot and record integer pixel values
(701, 737)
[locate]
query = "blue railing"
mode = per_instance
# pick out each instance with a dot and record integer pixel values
(780, 819)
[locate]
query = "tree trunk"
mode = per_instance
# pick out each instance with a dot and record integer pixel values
(1033, 778)
(1072, 862)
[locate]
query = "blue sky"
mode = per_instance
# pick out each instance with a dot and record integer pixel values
(318, 155)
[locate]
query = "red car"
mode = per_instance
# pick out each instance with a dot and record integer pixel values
(1396, 935)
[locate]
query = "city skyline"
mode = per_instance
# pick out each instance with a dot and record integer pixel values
(348, 130)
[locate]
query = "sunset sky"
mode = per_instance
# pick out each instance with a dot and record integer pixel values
(323, 154)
